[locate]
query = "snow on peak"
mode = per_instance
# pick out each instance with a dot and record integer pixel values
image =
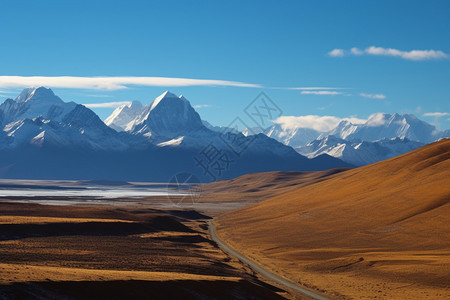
(183, 99)
(169, 116)
(124, 115)
(163, 96)
(35, 102)
(135, 104)
(377, 119)
(172, 142)
(40, 93)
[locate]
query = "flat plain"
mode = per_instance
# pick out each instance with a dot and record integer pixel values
(116, 252)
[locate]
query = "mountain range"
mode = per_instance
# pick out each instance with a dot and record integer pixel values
(381, 137)
(43, 137)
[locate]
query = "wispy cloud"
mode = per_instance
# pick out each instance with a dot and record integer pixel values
(112, 83)
(318, 123)
(326, 106)
(356, 51)
(436, 114)
(330, 93)
(373, 96)
(415, 55)
(98, 96)
(107, 104)
(336, 53)
(309, 88)
(203, 106)
(6, 92)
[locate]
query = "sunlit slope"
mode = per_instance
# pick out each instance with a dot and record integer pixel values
(389, 219)
(261, 186)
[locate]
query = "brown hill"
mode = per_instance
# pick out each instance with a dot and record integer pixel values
(256, 187)
(382, 230)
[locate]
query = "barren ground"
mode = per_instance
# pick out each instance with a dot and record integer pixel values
(104, 252)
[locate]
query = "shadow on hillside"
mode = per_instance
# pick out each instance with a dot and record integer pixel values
(156, 224)
(137, 289)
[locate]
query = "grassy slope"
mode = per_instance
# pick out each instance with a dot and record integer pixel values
(256, 187)
(382, 229)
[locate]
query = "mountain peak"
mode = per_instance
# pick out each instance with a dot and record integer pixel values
(36, 93)
(168, 116)
(135, 104)
(162, 97)
(377, 119)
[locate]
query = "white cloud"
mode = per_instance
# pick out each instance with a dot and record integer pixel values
(373, 96)
(436, 114)
(318, 123)
(97, 96)
(356, 51)
(107, 104)
(332, 93)
(309, 88)
(415, 55)
(111, 83)
(336, 53)
(411, 55)
(202, 106)
(119, 83)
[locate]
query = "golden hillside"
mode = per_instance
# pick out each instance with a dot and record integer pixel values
(379, 230)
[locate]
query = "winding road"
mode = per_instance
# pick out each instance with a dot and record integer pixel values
(280, 280)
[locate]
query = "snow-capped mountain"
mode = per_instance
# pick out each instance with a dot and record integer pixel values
(386, 126)
(294, 137)
(382, 136)
(44, 137)
(168, 116)
(38, 117)
(359, 153)
(171, 121)
(35, 102)
(122, 117)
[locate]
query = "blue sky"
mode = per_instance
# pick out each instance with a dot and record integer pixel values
(270, 45)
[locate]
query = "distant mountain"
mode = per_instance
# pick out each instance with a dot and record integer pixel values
(122, 117)
(293, 137)
(31, 103)
(43, 137)
(387, 126)
(38, 117)
(382, 136)
(358, 153)
(168, 117)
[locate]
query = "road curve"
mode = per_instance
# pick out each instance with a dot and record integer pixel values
(261, 270)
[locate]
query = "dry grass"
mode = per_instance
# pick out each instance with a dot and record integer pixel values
(380, 230)
(257, 187)
(24, 273)
(54, 252)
